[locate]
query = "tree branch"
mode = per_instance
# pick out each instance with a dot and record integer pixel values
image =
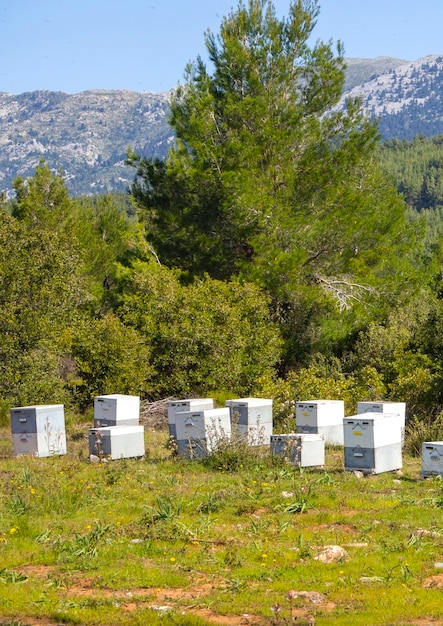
(344, 291)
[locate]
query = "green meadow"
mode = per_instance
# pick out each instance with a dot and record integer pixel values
(240, 537)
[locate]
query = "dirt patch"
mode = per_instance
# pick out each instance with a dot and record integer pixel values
(434, 582)
(425, 621)
(190, 600)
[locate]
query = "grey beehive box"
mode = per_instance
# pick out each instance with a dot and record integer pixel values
(321, 417)
(116, 410)
(373, 442)
(117, 442)
(38, 430)
(302, 450)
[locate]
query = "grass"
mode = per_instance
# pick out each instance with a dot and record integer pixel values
(166, 540)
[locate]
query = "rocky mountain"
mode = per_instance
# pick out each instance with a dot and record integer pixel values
(86, 135)
(406, 99)
(359, 71)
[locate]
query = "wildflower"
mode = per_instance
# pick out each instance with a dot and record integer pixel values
(13, 530)
(172, 559)
(264, 556)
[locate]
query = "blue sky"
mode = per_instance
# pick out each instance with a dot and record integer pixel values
(144, 45)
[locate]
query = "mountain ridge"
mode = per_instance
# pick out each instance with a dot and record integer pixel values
(86, 135)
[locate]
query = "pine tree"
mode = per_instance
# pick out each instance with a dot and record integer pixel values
(267, 180)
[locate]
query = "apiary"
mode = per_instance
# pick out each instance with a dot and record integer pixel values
(116, 410)
(117, 442)
(373, 442)
(184, 406)
(251, 419)
(38, 430)
(432, 458)
(200, 432)
(302, 450)
(321, 417)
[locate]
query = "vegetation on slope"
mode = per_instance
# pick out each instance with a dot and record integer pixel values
(268, 255)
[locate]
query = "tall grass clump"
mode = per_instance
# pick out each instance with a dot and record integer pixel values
(418, 431)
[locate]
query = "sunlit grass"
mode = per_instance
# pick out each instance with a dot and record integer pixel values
(107, 543)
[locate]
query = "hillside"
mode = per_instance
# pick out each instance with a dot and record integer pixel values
(359, 71)
(407, 100)
(86, 135)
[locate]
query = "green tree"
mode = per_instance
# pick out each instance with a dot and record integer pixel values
(107, 235)
(204, 337)
(108, 357)
(41, 298)
(43, 200)
(268, 181)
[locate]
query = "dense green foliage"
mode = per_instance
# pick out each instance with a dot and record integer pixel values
(268, 182)
(86, 309)
(416, 168)
(268, 254)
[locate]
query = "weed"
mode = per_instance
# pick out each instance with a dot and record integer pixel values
(258, 524)
(232, 557)
(234, 585)
(18, 504)
(82, 544)
(418, 431)
(233, 453)
(401, 570)
(298, 506)
(301, 502)
(44, 536)
(302, 547)
(10, 576)
(212, 503)
(164, 509)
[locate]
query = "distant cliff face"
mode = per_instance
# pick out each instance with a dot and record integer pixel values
(407, 100)
(86, 135)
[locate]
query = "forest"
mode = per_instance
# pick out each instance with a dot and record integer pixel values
(280, 250)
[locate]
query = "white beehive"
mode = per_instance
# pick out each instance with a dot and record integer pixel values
(200, 432)
(117, 442)
(302, 450)
(373, 442)
(116, 410)
(432, 458)
(38, 430)
(321, 417)
(384, 407)
(184, 406)
(251, 418)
